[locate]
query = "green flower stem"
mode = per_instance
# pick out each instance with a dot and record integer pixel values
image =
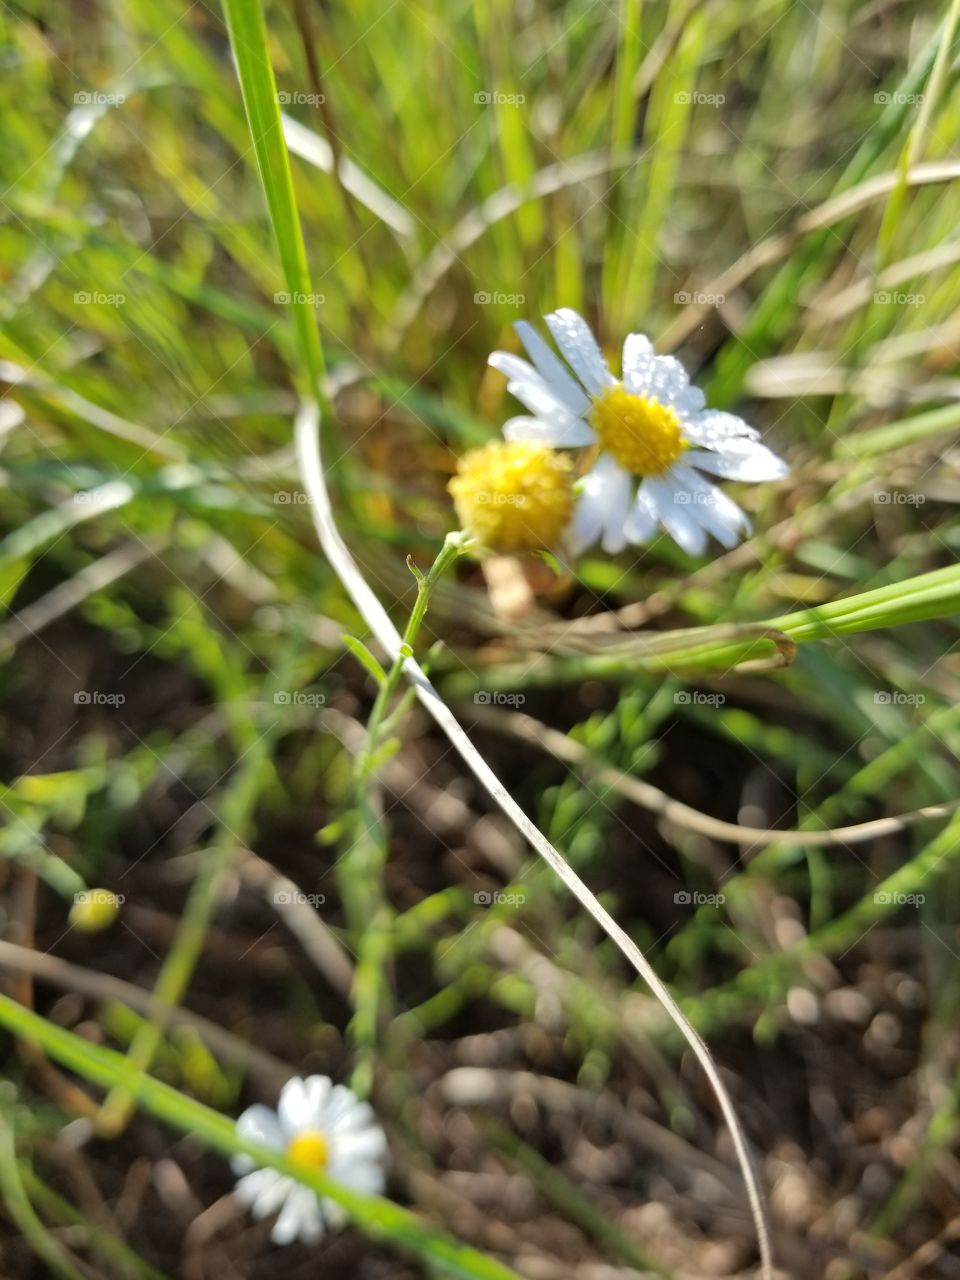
(114, 1251)
(361, 868)
(18, 1206)
(453, 547)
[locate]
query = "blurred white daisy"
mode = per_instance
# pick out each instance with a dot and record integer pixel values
(651, 426)
(325, 1127)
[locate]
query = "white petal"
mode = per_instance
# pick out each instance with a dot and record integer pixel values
(664, 378)
(362, 1176)
(562, 435)
(711, 507)
(551, 369)
(514, 367)
(260, 1124)
(739, 459)
(531, 389)
(579, 347)
(270, 1194)
(712, 497)
(602, 507)
(641, 523)
(541, 402)
(727, 532)
(311, 1218)
(343, 1102)
(675, 514)
(671, 384)
(587, 521)
(352, 1119)
(713, 427)
(368, 1144)
(637, 362)
(302, 1103)
(296, 1217)
(249, 1189)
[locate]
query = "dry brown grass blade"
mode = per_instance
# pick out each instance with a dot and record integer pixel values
(521, 725)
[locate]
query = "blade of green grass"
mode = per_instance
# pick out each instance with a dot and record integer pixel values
(23, 1213)
(926, 596)
(248, 38)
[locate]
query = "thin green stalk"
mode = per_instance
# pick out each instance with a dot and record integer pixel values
(912, 151)
(570, 1200)
(629, 46)
(668, 122)
(452, 548)
(248, 39)
(23, 1213)
(114, 1251)
(361, 868)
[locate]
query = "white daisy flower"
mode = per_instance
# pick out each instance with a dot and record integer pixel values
(651, 424)
(325, 1127)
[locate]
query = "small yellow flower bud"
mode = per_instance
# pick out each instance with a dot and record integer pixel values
(94, 910)
(514, 496)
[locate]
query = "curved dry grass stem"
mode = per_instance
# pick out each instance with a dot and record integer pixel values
(651, 798)
(311, 470)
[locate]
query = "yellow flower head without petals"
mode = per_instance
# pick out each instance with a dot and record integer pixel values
(514, 496)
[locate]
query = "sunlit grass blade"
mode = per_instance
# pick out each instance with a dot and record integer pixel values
(248, 37)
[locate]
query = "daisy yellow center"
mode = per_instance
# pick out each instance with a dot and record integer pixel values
(309, 1148)
(642, 434)
(514, 496)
